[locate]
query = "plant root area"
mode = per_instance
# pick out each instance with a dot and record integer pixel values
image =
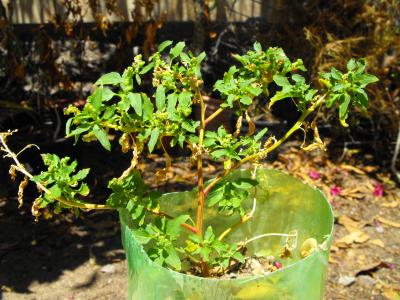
(82, 258)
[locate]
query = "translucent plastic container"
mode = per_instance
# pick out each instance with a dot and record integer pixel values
(284, 204)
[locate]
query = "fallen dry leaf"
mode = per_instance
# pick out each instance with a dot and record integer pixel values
(377, 242)
(387, 222)
(358, 237)
(352, 168)
(350, 224)
(392, 204)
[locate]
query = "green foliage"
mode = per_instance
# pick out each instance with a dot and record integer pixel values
(211, 250)
(133, 194)
(62, 180)
(242, 84)
(229, 195)
(118, 104)
(143, 116)
(160, 237)
(348, 88)
(299, 90)
(221, 144)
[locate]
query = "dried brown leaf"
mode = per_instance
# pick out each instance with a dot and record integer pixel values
(387, 222)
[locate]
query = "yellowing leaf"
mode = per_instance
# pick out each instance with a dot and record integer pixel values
(309, 246)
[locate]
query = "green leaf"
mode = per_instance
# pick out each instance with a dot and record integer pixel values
(173, 258)
(366, 79)
(146, 69)
(219, 153)
(68, 126)
(174, 228)
(280, 80)
(136, 102)
(362, 98)
(55, 191)
(246, 100)
(215, 197)
(171, 105)
(81, 174)
(102, 136)
(109, 112)
(344, 109)
(160, 97)
(259, 135)
(254, 90)
(181, 140)
(164, 45)
(125, 103)
(190, 126)
(351, 65)
(184, 57)
(201, 57)
(185, 99)
(142, 236)
(244, 183)
(83, 190)
(138, 79)
(153, 139)
(107, 94)
(175, 51)
(209, 234)
(147, 107)
(257, 46)
(96, 98)
(298, 78)
(112, 78)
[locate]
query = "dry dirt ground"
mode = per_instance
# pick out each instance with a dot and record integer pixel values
(83, 259)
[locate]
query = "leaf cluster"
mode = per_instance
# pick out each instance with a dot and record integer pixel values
(240, 85)
(62, 180)
(348, 88)
(228, 196)
(211, 250)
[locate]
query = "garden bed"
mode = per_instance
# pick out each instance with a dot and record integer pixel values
(84, 259)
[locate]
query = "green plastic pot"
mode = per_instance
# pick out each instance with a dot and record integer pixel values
(284, 204)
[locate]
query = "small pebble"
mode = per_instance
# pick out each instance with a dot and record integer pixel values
(346, 280)
(109, 269)
(379, 229)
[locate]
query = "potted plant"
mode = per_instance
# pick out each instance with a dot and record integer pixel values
(246, 234)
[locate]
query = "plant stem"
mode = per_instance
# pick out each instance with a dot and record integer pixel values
(205, 269)
(243, 220)
(264, 152)
(20, 168)
(200, 179)
(213, 115)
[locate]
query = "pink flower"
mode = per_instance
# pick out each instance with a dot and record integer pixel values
(378, 190)
(278, 265)
(314, 175)
(335, 190)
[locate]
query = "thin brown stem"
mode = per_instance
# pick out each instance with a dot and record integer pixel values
(200, 178)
